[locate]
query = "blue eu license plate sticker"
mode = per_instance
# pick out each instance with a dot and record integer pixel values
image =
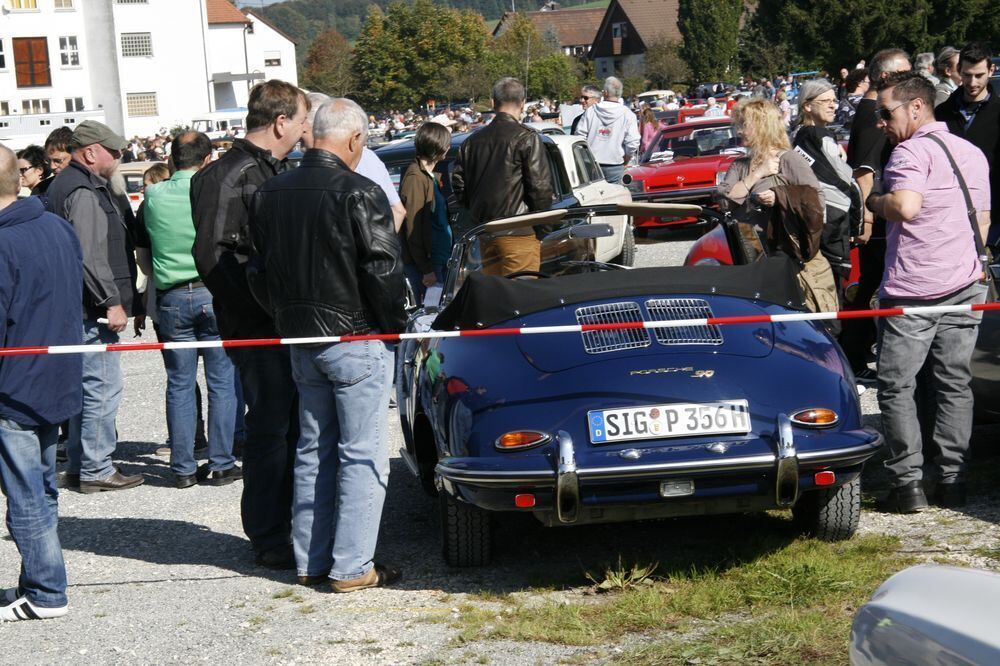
(671, 420)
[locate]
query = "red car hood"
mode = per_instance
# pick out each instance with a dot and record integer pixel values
(682, 171)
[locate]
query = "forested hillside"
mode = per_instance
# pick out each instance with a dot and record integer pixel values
(304, 19)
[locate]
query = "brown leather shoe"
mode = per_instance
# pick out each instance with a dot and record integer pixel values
(311, 581)
(116, 481)
(378, 576)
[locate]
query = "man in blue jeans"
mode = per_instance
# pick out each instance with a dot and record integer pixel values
(102, 222)
(185, 312)
(41, 279)
(328, 263)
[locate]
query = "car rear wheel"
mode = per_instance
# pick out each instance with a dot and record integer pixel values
(627, 256)
(830, 514)
(466, 539)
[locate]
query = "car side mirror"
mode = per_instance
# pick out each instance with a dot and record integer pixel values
(591, 231)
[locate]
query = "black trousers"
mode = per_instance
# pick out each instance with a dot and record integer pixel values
(272, 434)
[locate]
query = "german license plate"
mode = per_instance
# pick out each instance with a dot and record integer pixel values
(674, 420)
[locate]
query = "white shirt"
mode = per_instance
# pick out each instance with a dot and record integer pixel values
(371, 167)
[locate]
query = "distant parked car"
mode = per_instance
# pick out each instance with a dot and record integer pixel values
(132, 173)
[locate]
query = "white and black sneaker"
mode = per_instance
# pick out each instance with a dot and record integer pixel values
(14, 608)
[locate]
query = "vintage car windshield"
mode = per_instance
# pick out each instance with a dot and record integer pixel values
(710, 140)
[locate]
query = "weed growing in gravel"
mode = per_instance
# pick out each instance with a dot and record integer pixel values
(307, 609)
(283, 594)
(621, 578)
(783, 582)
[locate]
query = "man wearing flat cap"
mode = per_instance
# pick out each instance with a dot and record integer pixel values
(102, 221)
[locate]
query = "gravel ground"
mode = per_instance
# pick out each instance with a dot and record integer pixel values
(164, 575)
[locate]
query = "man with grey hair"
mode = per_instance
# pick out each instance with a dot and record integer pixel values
(329, 264)
(589, 96)
(503, 170)
(948, 74)
(923, 63)
(611, 130)
(371, 167)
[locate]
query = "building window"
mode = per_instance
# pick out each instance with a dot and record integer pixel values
(3, 59)
(74, 104)
(23, 4)
(141, 104)
(4, 108)
(619, 30)
(68, 52)
(272, 58)
(64, 4)
(137, 44)
(31, 62)
(34, 106)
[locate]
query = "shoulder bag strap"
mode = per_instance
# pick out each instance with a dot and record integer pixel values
(980, 249)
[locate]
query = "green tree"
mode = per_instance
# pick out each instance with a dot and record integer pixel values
(328, 65)
(710, 29)
(535, 59)
(664, 65)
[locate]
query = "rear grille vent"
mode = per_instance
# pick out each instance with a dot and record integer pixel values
(598, 342)
(672, 309)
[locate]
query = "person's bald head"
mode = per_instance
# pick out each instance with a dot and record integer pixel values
(190, 150)
(10, 178)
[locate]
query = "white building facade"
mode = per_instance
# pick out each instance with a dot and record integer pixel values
(141, 66)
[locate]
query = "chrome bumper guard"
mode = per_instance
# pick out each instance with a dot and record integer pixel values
(567, 481)
(786, 487)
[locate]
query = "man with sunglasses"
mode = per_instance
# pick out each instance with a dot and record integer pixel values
(101, 219)
(931, 181)
(589, 96)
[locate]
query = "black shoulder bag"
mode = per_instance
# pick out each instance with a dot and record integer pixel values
(984, 258)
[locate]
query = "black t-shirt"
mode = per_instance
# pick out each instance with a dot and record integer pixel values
(868, 149)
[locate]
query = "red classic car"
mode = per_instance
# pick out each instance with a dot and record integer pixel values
(684, 163)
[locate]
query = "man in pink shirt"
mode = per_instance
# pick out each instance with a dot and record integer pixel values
(931, 259)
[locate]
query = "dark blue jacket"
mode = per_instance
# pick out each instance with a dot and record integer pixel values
(41, 279)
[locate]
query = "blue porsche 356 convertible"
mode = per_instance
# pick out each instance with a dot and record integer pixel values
(630, 424)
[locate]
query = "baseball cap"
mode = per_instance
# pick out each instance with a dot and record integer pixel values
(90, 132)
(442, 119)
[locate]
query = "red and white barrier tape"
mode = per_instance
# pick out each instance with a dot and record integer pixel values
(488, 332)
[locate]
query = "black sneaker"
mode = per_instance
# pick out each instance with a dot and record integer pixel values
(907, 498)
(279, 558)
(866, 376)
(951, 495)
(223, 478)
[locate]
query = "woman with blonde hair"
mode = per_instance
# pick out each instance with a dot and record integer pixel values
(774, 189)
(648, 127)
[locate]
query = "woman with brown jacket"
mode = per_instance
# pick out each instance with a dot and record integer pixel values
(426, 235)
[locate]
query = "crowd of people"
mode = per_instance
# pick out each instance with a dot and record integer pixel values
(244, 246)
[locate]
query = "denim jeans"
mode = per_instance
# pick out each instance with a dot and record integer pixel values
(27, 478)
(272, 431)
(946, 342)
(613, 172)
(240, 430)
(92, 436)
(342, 464)
(186, 314)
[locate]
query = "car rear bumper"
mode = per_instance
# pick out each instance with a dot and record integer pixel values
(566, 492)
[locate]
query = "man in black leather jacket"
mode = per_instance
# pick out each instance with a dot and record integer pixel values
(329, 264)
(221, 196)
(503, 170)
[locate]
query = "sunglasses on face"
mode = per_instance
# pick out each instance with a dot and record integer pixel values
(884, 113)
(25, 170)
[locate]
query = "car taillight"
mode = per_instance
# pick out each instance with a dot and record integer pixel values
(521, 439)
(815, 418)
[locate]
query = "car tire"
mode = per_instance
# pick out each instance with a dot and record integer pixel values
(830, 514)
(627, 256)
(466, 534)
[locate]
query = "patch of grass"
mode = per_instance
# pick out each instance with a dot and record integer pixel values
(799, 577)
(992, 553)
(307, 609)
(257, 620)
(283, 594)
(788, 636)
(406, 644)
(274, 652)
(491, 596)
(621, 577)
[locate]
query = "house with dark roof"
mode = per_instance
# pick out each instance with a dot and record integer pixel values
(574, 29)
(627, 28)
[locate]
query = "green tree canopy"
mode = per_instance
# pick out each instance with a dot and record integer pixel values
(710, 29)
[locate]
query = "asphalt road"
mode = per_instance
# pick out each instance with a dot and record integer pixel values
(163, 575)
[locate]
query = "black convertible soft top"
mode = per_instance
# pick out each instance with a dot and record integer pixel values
(485, 300)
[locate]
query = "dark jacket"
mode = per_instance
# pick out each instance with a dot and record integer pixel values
(327, 252)
(104, 225)
(984, 133)
(502, 170)
(221, 197)
(796, 226)
(41, 277)
(416, 192)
